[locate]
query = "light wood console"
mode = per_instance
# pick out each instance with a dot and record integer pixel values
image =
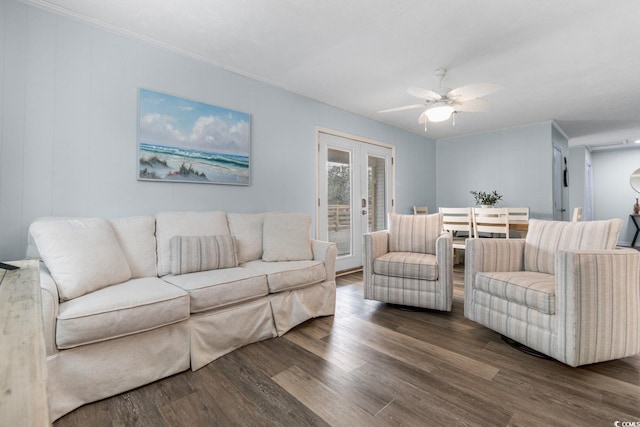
(23, 393)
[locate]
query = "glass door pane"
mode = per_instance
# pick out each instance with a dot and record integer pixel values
(377, 200)
(339, 185)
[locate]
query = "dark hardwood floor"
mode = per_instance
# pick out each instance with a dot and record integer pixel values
(373, 365)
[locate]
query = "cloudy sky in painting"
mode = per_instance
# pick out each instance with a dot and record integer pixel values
(177, 122)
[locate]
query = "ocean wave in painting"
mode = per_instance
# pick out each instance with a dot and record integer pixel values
(160, 162)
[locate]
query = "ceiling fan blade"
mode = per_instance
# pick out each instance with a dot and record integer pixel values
(477, 105)
(406, 107)
(473, 91)
(423, 94)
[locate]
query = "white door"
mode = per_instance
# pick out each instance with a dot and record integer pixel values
(558, 200)
(587, 214)
(354, 193)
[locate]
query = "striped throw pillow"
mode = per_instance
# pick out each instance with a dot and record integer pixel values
(200, 253)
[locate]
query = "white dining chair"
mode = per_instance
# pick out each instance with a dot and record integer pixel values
(420, 210)
(577, 215)
(519, 220)
(490, 220)
(459, 222)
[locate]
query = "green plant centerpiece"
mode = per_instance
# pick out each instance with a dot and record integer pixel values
(486, 199)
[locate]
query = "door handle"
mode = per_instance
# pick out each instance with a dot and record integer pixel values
(363, 204)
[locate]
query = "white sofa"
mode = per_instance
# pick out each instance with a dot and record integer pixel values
(128, 301)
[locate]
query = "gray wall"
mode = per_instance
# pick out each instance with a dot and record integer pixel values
(68, 116)
(517, 162)
(613, 196)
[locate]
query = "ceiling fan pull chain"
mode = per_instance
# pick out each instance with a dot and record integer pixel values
(453, 119)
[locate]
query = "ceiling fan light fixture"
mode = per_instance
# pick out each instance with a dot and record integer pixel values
(439, 113)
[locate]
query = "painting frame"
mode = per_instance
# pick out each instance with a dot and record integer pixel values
(188, 141)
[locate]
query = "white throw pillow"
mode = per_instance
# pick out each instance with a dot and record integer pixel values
(82, 254)
(247, 229)
(286, 237)
(137, 238)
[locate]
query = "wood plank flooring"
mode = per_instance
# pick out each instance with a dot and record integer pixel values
(376, 365)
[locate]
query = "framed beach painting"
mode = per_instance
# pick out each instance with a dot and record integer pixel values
(180, 140)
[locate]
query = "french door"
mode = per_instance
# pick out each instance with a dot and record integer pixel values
(355, 192)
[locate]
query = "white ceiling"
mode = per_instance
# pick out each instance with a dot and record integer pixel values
(573, 61)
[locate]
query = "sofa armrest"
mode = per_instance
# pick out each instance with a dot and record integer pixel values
(326, 252)
(50, 302)
(374, 244)
(597, 305)
(490, 255)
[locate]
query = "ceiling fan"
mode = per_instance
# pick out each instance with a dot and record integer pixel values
(440, 104)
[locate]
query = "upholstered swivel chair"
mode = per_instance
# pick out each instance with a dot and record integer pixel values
(411, 263)
(564, 291)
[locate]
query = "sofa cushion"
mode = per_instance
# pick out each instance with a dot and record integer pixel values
(411, 265)
(414, 233)
(282, 276)
(169, 224)
(545, 238)
(218, 288)
(82, 254)
(286, 237)
(247, 230)
(526, 288)
(124, 309)
(32, 248)
(200, 253)
(137, 238)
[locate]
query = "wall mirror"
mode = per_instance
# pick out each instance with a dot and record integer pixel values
(635, 180)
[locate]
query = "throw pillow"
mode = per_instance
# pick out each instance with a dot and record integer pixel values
(83, 255)
(286, 237)
(137, 238)
(247, 229)
(200, 253)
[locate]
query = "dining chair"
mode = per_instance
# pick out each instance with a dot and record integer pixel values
(420, 210)
(490, 220)
(459, 222)
(577, 215)
(519, 220)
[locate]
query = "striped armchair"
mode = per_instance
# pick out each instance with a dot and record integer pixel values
(565, 291)
(411, 263)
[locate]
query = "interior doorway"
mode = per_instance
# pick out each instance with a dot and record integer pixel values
(558, 185)
(355, 192)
